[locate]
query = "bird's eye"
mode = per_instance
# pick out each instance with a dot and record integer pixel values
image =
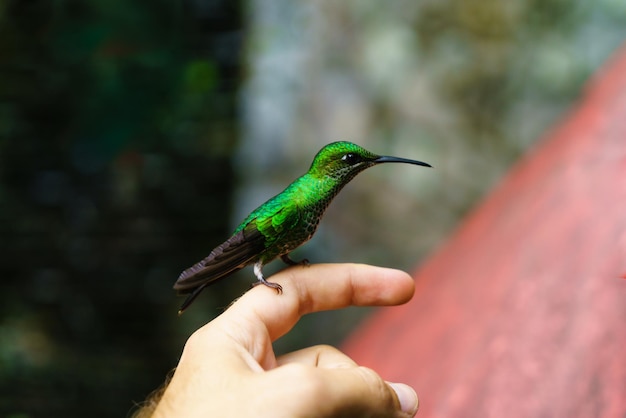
(351, 158)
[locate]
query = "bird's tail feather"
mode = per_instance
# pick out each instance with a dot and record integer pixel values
(237, 252)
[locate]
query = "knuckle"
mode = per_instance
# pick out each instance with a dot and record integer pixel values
(309, 379)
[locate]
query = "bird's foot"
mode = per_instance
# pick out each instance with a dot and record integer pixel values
(279, 288)
(287, 260)
(259, 275)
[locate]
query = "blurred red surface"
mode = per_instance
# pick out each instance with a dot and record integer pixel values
(522, 313)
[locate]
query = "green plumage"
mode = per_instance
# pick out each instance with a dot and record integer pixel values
(284, 222)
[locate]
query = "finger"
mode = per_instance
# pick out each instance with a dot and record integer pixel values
(261, 316)
(323, 356)
(319, 287)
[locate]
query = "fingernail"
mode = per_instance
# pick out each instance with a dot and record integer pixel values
(407, 397)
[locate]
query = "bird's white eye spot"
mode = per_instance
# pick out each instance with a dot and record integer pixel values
(351, 158)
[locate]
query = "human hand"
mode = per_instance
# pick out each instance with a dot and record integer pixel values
(228, 367)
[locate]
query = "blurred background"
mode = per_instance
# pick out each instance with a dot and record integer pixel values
(135, 136)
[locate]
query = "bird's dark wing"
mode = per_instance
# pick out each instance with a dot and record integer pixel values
(234, 254)
(254, 240)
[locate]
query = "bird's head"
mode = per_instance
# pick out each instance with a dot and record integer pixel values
(344, 160)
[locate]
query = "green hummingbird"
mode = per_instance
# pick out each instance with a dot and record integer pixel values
(285, 221)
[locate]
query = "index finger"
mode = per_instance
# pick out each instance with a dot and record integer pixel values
(316, 288)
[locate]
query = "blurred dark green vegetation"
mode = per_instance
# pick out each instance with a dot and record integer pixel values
(119, 122)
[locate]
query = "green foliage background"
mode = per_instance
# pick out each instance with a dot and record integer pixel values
(116, 123)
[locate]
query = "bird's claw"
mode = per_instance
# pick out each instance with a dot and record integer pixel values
(287, 260)
(276, 286)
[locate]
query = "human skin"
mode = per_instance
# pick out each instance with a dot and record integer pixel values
(228, 367)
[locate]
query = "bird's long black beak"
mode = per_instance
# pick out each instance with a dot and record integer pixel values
(388, 159)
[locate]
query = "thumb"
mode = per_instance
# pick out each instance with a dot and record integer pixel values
(362, 389)
(409, 403)
(350, 392)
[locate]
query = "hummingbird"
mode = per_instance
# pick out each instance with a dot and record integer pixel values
(285, 221)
